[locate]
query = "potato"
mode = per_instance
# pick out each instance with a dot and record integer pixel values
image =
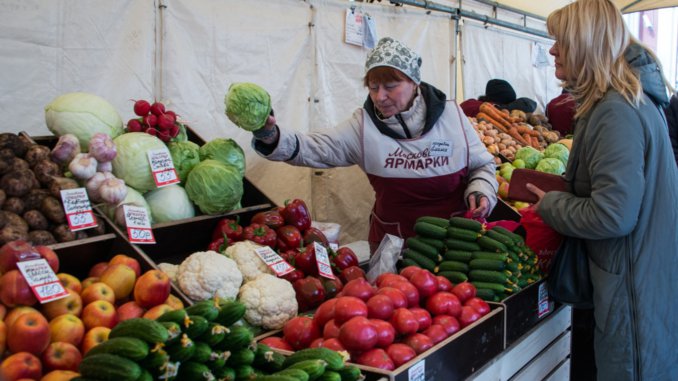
(53, 210)
(33, 200)
(36, 153)
(63, 234)
(13, 219)
(12, 141)
(41, 237)
(12, 233)
(18, 182)
(14, 205)
(45, 170)
(36, 220)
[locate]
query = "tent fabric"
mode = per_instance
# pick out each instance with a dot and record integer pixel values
(543, 8)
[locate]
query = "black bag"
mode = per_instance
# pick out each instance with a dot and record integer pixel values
(569, 281)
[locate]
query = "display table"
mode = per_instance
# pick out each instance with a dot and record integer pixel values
(543, 353)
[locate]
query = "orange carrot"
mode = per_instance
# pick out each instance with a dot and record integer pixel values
(492, 112)
(492, 121)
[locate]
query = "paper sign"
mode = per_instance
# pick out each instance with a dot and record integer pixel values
(275, 262)
(417, 372)
(42, 280)
(323, 261)
(78, 209)
(138, 224)
(543, 306)
(440, 148)
(354, 27)
(334, 246)
(162, 168)
(370, 36)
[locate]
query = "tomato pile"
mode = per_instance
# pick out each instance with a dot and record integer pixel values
(386, 325)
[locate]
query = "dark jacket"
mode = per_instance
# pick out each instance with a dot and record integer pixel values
(671, 112)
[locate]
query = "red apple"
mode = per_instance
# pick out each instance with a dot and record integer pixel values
(130, 310)
(49, 255)
(60, 375)
(121, 278)
(126, 260)
(99, 313)
(93, 337)
(3, 336)
(70, 281)
(15, 312)
(71, 304)
(157, 311)
(88, 281)
(29, 333)
(20, 365)
(14, 290)
(97, 291)
(14, 251)
(67, 328)
(98, 269)
(61, 356)
(3, 311)
(174, 302)
(152, 288)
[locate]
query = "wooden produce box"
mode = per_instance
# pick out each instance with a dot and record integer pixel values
(525, 309)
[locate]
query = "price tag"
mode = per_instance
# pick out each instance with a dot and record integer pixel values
(417, 372)
(275, 262)
(334, 246)
(162, 168)
(324, 267)
(543, 307)
(138, 224)
(42, 280)
(78, 209)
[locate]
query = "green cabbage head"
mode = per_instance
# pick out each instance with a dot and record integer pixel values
(82, 115)
(530, 156)
(557, 151)
(551, 165)
(131, 162)
(226, 151)
(169, 203)
(247, 105)
(214, 186)
(185, 156)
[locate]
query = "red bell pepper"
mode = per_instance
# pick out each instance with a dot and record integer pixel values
(270, 218)
(305, 260)
(231, 228)
(289, 255)
(315, 235)
(296, 213)
(310, 293)
(332, 286)
(261, 234)
(293, 276)
(289, 237)
(344, 258)
(219, 245)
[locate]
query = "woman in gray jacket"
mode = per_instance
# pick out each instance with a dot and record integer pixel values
(623, 191)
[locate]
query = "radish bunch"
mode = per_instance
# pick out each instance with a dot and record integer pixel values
(155, 120)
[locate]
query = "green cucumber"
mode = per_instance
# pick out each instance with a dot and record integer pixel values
(230, 312)
(298, 374)
(489, 255)
(202, 353)
(240, 357)
(194, 371)
(485, 294)
(423, 248)
(462, 234)
(516, 238)
(334, 360)
(466, 223)
(109, 367)
(453, 266)
(491, 244)
(488, 276)
(350, 373)
(499, 237)
(457, 255)
(148, 330)
(128, 347)
(422, 260)
(314, 368)
(214, 334)
(430, 230)
(182, 350)
(437, 243)
(204, 308)
(198, 326)
(454, 276)
(487, 264)
(438, 221)
(457, 244)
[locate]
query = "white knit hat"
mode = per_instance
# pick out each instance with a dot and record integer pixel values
(393, 53)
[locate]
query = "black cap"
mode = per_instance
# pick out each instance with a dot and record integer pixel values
(498, 91)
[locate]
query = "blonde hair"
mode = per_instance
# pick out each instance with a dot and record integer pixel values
(591, 38)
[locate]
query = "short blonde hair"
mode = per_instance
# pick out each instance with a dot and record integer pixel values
(591, 38)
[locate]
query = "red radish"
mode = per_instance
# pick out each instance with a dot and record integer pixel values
(134, 125)
(164, 136)
(379, 307)
(157, 108)
(423, 318)
(450, 323)
(152, 131)
(150, 120)
(444, 284)
(142, 108)
(165, 122)
(480, 305)
(174, 131)
(171, 114)
(400, 353)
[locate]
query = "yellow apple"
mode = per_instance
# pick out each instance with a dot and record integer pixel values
(71, 304)
(60, 375)
(67, 328)
(126, 260)
(70, 281)
(87, 281)
(97, 291)
(94, 336)
(120, 278)
(157, 311)
(99, 313)
(174, 302)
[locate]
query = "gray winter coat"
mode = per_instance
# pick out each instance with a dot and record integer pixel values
(624, 204)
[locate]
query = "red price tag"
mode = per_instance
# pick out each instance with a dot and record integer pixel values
(78, 209)
(42, 280)
(324, 267)
(275, 262)
(138, 224)
(162, 168)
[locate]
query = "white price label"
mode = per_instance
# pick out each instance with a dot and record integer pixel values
(78, 209)
(440, 147)
(138, 224)
(543, 307)
(275, 262)
(42, 280)
(162, 167)
(324, 267)
(417, 372)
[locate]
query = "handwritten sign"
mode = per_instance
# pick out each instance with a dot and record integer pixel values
(323, 261)
(138, 224)
(42, 280)
(162, 168)
(440, 148)
(417, 372)
(354, 30)
(275, 262)
(543, 307)
(78, 209)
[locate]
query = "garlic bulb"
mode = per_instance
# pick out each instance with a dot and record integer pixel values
(101, 146)
(105, 167)
(66, 148)
(83, 166)
(113, 191)
(94, 183)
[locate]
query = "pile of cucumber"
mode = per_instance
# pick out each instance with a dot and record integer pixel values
(496, 261)
(203, 342)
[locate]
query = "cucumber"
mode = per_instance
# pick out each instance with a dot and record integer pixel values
(240, 357)
(457, 244)
(489, 255)
(204, 308)
(128, 347)
(466, 223)
(314, 368)
(267, 359)
(438, 221)
(430, 230)
(487, 264)
(194, 371)
(298, 374)
(516, 238)
(176, 316)
(492, 245)
(145, 376)
(453, 266)
(422, 260)
(224, 374)
(462, 234)
(437, 243)
(454, 276)
(408, 262)
(330, 375)
(181, 351)
(148, 330)
(156, 361)
(334, 360)
(214, 334)
(499, 237)
(457, 255)
(239, 337)
(244, 372)
(108, 367)
(199, 325)
(230, 312)
(498, 289)
(488, 276)
(350, 373)
(276, 377)
(485, 294)
(423, 248)
(173, 330)
(202, 353)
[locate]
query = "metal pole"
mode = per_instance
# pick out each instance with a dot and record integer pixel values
(511, 9)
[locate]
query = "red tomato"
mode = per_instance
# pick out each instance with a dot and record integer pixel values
(436, 333)
(442, 303)
(331, 330)
(300, 331)
(419, 342)
(348, 307)
(408, 271)
(449, 323)
(411, 293)
(404, 321)
(468, 316)
(324, 313)
(444, 284)
(389, 276)
(479, 305)
(358, 334)
(376, 358)
(425, 282)
(359, 288)
(464, 291)
(385, 332)
(397, 297)
(333, 344)
(277, 343)
(423, 318)
(350, 273)
(400, 353)
(317, 343)
(379, 306)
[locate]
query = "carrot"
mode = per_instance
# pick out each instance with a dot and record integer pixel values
(535, 142)
(492, 112)
(513, 132)
(490, 120)
(524, 129)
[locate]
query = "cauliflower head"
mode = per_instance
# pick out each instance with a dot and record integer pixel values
(169, 269)
(269, 301)
(249, 263)
(205, 274)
